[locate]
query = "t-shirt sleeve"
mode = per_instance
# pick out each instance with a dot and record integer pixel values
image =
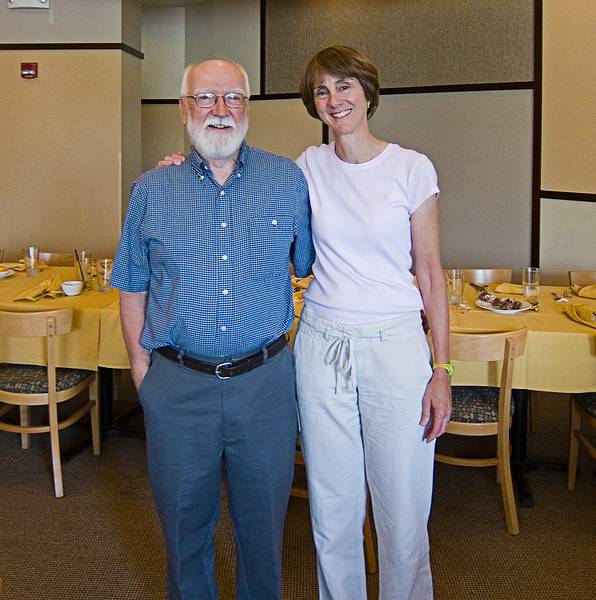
(131, 269)
(422, 182)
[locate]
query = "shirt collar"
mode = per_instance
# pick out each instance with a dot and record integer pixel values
(201, 166)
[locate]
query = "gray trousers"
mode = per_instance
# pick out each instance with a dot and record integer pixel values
(192, 421)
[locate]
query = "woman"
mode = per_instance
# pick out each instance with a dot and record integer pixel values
(370, 405)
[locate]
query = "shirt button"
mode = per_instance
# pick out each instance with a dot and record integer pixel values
(224, 257)
(274, 222)
(224, 225)
(237, 174)
(225, 292)
(222, 193)
(223, 328)
(202, 177)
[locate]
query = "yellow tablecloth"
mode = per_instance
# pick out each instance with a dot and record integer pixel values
(85, 347)
(560, 354)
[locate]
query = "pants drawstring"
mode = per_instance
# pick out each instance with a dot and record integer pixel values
(340, 356)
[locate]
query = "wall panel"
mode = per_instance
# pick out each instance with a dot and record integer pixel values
(163, 133)
(480, 143)
(567, 238)
(282, 127)
(413, 42)
(61, 150)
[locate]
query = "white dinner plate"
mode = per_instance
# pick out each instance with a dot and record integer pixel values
(488, 306)
(6, 273)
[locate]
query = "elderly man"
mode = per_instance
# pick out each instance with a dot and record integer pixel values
(206, 298)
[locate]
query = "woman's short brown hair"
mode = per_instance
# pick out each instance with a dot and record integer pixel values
(341, 61)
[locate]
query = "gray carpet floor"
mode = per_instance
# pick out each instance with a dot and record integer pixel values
(102, 541)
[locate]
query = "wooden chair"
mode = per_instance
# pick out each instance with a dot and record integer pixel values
(26, 385)
(57, 259)
(486, 276)
(582, 277)
(482, 411)
(583, 412)
(370, 553)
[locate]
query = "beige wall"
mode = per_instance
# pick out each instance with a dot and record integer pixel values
(226, 28)
(567, 238)
(163, 46)
(60, 150)
(568, 228)
(66, 21)
(163, 133)
(569, 96)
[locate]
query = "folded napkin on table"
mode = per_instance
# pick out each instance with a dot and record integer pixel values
(15, 266)
(50, 288)
(509, 288)
(587, 291)
(582, 313)
(301, 283)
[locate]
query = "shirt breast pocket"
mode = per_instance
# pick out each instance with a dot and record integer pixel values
(270, 241)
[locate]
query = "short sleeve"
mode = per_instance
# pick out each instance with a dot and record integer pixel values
(131, 271)
(422, 183)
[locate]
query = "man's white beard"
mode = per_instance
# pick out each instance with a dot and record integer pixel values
(213, 145)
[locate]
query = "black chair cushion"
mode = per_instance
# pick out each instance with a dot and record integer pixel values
(29, 379)
(587, 402)
(475, 404)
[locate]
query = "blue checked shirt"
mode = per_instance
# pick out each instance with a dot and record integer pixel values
(215, 259)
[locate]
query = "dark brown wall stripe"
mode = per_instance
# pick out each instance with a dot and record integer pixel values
(100, 46)
(577, 196)
(537, 138)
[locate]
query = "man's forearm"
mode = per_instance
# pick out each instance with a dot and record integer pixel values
(133, 307)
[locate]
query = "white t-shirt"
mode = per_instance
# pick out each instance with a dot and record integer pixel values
(361, 232)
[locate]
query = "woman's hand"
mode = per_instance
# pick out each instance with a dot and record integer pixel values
(436, 405)
(176, 158)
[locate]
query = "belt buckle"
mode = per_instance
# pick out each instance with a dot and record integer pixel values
(222, 366)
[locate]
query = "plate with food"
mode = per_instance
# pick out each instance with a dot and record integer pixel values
(4, 272)
(503, 306)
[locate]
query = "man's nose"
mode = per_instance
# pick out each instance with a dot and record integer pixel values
(220, 108)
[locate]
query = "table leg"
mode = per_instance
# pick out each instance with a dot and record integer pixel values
(519, 447)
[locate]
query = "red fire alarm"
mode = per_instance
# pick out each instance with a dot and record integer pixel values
(28, 70)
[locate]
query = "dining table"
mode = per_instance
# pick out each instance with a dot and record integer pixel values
(95, 342)
(560, 354)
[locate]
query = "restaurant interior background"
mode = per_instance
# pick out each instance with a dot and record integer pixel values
(499, 93)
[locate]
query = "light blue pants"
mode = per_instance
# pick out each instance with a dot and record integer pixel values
(192, 421)
(360, 394)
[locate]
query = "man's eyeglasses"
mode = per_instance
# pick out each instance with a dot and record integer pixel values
(209, 99)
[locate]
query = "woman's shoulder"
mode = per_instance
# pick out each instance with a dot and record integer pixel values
(315, 153)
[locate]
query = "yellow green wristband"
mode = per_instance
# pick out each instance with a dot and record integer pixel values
(447, 366)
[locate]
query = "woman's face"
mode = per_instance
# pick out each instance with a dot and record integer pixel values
(340, 103)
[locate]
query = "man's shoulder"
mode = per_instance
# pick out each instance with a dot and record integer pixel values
(264, 159)
(163, 176)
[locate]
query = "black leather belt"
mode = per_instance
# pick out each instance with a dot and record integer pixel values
(225, 370)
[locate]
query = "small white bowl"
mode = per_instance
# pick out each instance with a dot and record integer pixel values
(72, 288)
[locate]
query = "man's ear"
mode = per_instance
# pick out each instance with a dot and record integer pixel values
(183, 111)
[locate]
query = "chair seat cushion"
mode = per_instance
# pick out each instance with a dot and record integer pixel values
(587, 402)
(29, 379)
(475, 404)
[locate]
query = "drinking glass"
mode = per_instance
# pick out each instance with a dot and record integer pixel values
(31, 260)
(531, 282)
(87, 268)
(455, 286)
(104, 272)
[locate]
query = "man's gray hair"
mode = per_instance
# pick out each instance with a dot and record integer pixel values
(184, 85)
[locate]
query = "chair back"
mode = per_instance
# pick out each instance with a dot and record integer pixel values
(489, 347)
(582, 277)
(57, 259)
(36, 324)
(486, 276)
